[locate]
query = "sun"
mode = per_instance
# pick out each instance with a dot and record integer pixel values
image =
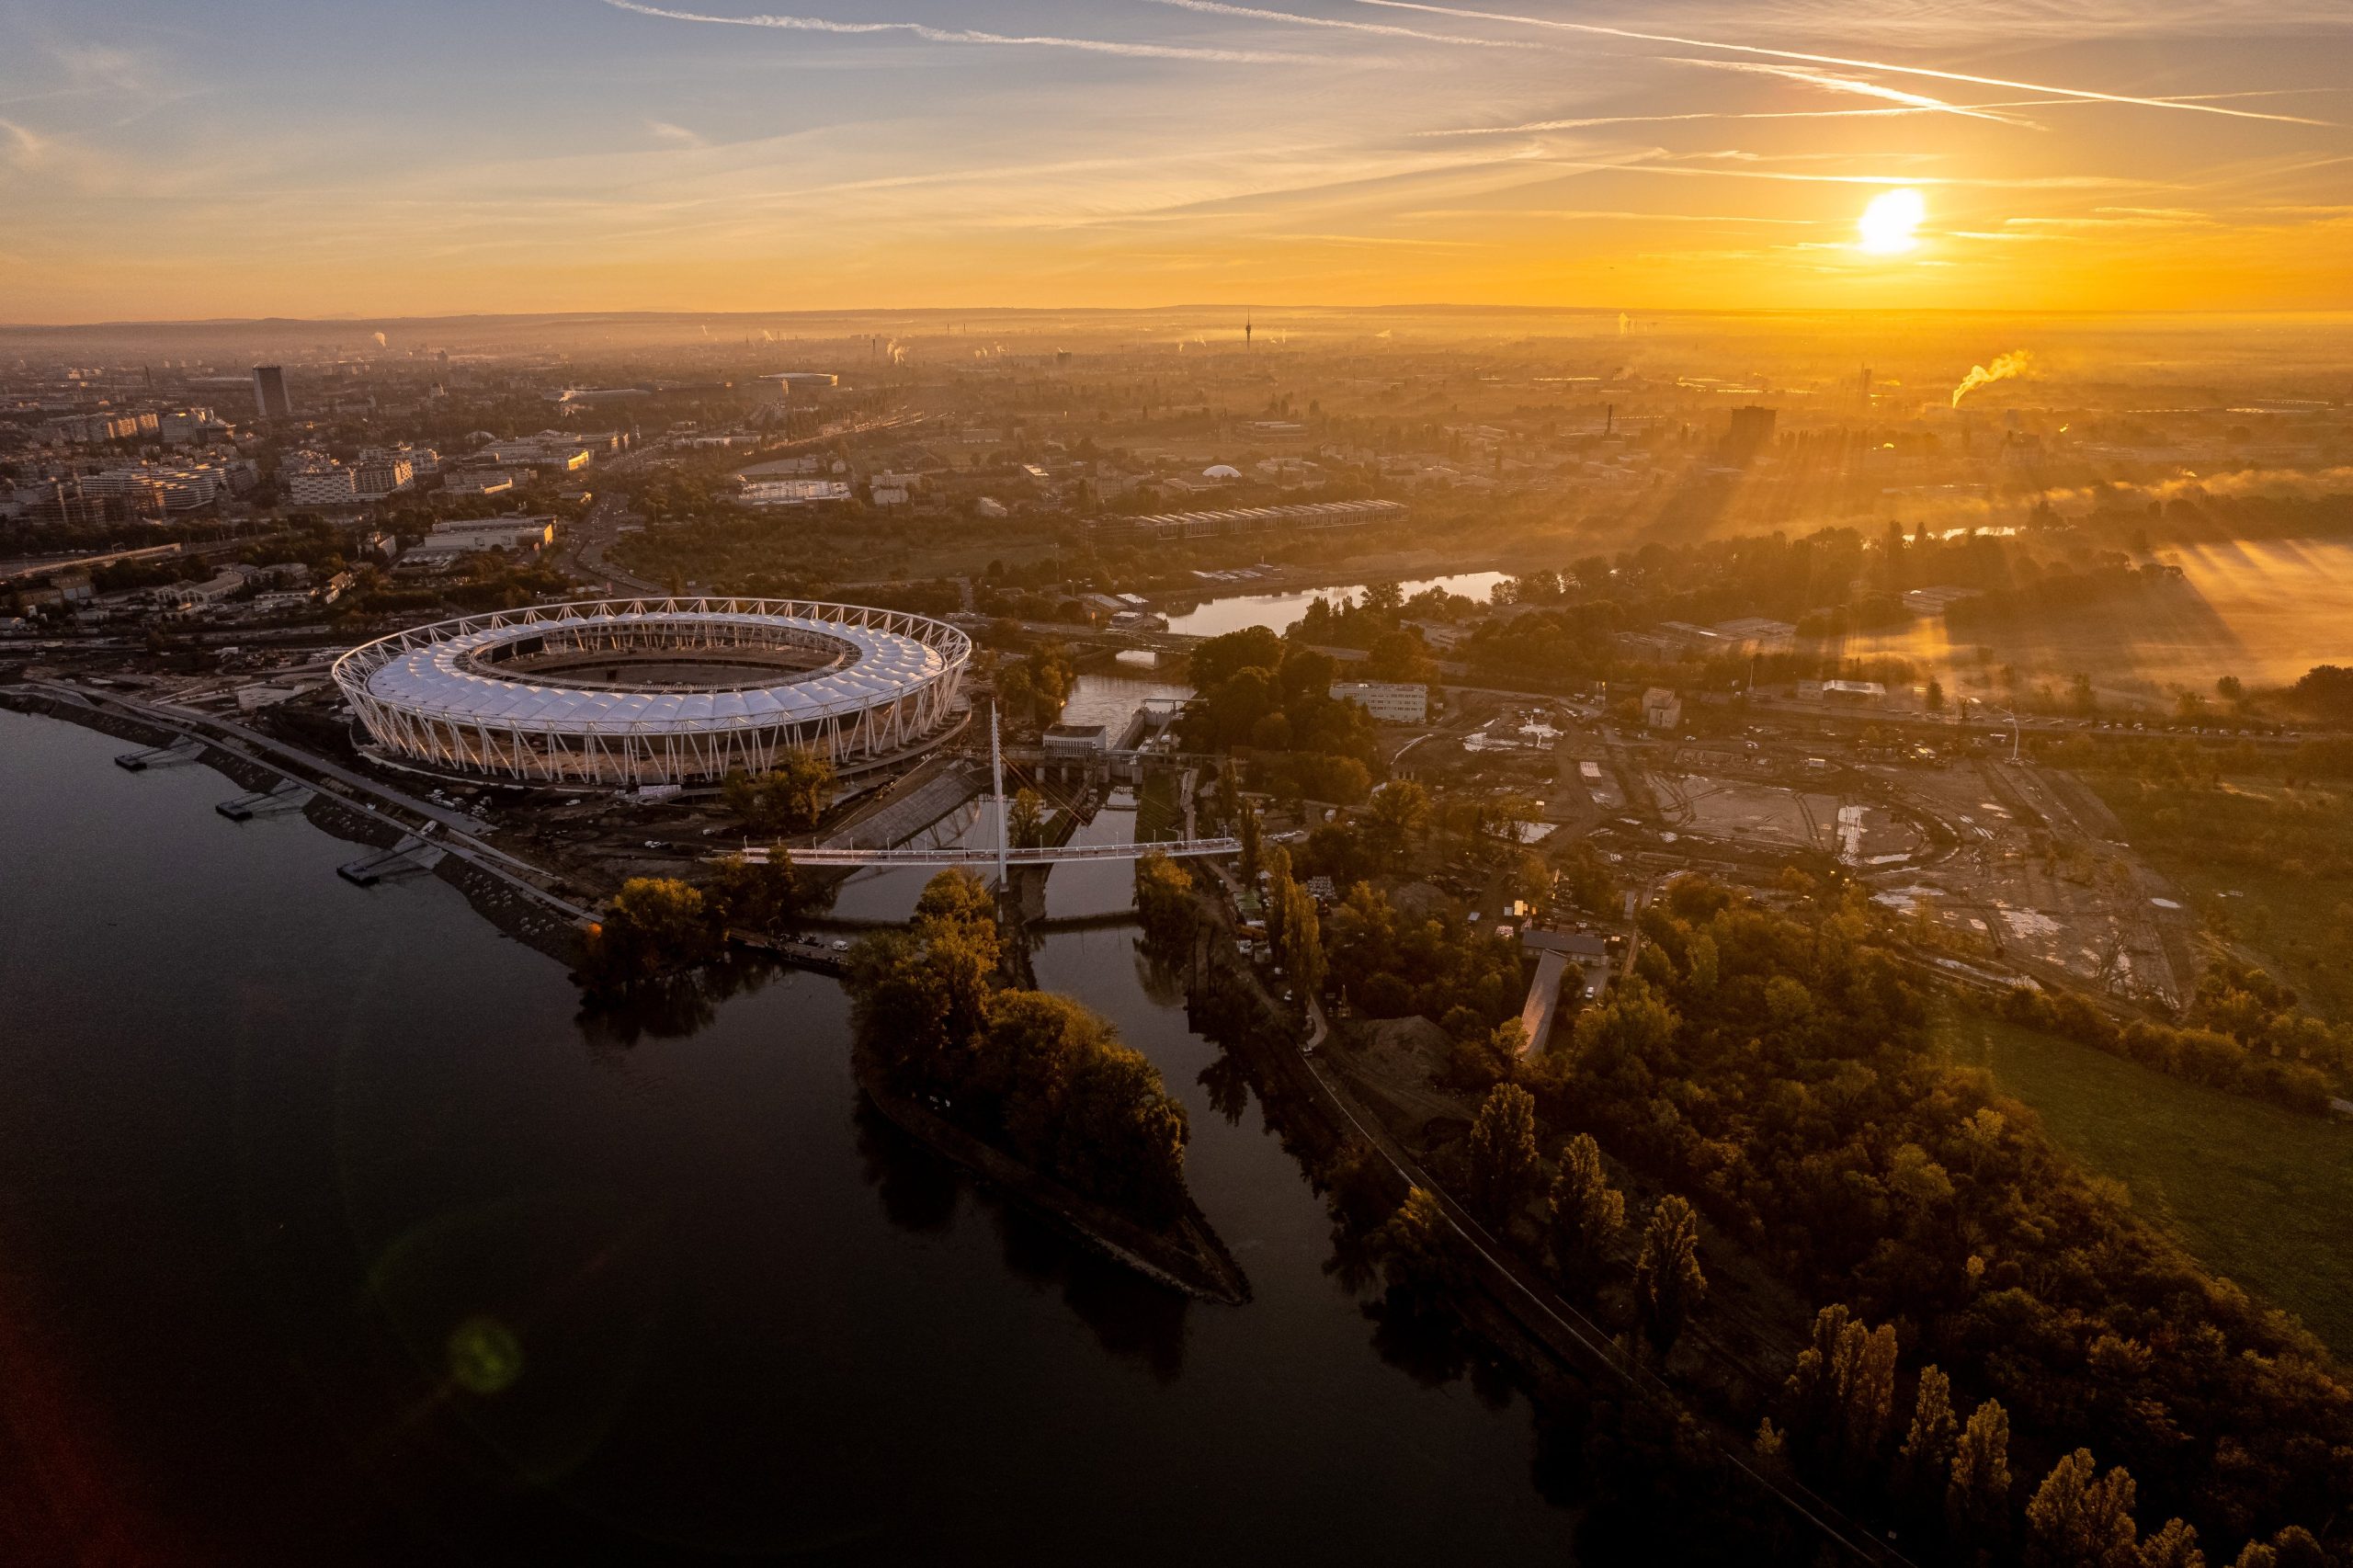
(1890, 225)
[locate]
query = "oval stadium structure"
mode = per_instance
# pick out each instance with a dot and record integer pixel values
(657, 691)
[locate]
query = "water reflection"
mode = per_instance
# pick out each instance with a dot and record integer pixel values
(921, 1192)
(1276, 611)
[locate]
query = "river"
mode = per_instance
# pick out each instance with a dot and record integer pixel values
(1276, 611)
(331, 1231)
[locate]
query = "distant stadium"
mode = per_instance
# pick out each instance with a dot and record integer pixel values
(657, 691)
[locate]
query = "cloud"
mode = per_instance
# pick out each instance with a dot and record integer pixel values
(1856, 86)
(680, 134)
(2087, 94)
(1252, 13)
(958, 34)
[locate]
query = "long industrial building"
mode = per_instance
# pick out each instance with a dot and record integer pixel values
(657, 691)
(1306, 517)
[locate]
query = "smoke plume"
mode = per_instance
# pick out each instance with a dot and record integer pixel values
(2001, 370)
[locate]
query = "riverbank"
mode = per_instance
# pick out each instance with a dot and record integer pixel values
(1188, 1258)
(507, 904)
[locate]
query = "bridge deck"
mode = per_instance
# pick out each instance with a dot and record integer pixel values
(954, 854)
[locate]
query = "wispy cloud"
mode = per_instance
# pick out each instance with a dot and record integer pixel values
(1587, 123)
(961, 35)
(1595, 29)
(1853, 85)
(1252, 13)
(677, 134)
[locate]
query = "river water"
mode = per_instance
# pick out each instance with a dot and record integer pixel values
(331, 1231)
(1276, 611)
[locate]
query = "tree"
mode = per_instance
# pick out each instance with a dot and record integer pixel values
(1249, 832)
(1586, 1214)
(1399, 816)
(1977, 1500)
(1026, 819)
(1926, 1458)
(2175, 1546)
(1667, 1281)
(1504, 1160)
(653, 924)
(1164, 898)
(756, 896)
(2079, 1518)
(1419, 1255)
(790, 798)
(1936, 696)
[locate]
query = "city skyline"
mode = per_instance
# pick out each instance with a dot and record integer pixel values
(287, 161)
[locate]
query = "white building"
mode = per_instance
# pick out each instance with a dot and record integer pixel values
(319, 483)
(1389, 701)
(1662, 710)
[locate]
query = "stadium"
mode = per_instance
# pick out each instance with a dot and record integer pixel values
(657, 691)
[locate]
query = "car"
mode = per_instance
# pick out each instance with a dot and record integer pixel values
(656, 844)
(840, 946)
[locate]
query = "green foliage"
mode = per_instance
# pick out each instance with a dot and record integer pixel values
(1586, 1215)
(1502, 1154)
(654, 925)
(1421, 1255)
(1032, 690)
(751, 897)
(1667, 1281)
(790, 799)
(1799, 1100)
(1977, 1499)
(1398, 819)
(2243, 1037)
(2080, 1519)
(1026, 819)
(1392, 965)
(1256, 691)
(1031, 1072)
(1163, 899)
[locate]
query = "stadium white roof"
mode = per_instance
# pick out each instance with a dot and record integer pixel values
(436, 680)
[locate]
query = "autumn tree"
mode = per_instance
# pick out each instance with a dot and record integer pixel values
(789, 797)
(1668, 1281)
(1925, 1460)
(2080, 1519)
(1164, 898)
(1026, 819)
(1977, 1499)
(2174, 1545)
(1502, 1154)
(652, 925)
(1397, 819)
(756, 895)
(1586, 1215)
(1421, 1257)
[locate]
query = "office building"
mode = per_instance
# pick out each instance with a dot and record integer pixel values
(270, 397)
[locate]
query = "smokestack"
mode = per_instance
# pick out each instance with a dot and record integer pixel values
(1608, 418)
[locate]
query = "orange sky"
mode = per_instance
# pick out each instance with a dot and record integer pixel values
(287, 159)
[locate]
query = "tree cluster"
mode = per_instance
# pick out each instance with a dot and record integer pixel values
(1033, 1073)
(2241, 1035)
(792, 797)
(1390, 964)
(1775, 1068)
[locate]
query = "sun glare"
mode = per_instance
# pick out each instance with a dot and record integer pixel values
(1890, 225)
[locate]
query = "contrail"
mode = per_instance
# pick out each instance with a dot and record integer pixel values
(1854, 84)
(1216, 8)
(2083, 93)
(948, 34)
(1590, 121)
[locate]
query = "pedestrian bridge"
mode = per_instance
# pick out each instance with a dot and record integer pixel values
(957, 855)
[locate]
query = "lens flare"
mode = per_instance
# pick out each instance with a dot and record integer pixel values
(1891, 224)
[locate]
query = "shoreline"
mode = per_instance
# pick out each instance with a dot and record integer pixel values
(507, 911)
(1192, 1261)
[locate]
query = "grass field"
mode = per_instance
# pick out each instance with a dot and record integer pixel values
(2276, 864)
(2259, 1193)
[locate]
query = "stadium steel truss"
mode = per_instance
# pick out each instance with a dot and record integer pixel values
(635, 692)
